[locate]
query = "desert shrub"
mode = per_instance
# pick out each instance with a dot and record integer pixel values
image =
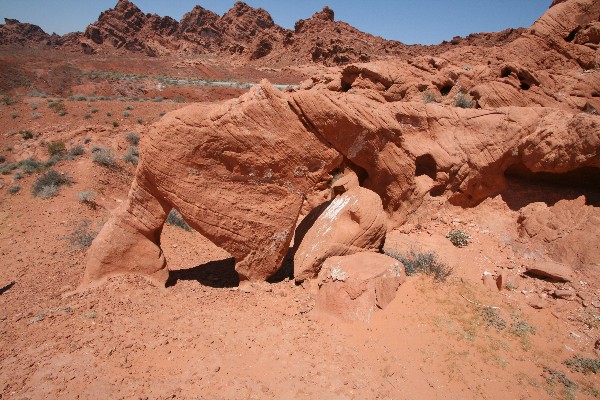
(129, 107)
(179, 99)
(161, 114)
(428, 263)
(139, 121)
(115, 124)
(87, 197)
(26, 135)
(75, 151)
(17, 176)
(458, 237)
(126, 114)
(132, 138)
(87, 140)
(78, 97)
(2, 159)
(429, 97)
(56, 148)
(108, 114)
(7, 100)
(463, 100)
(49, 184)
(96, 149)
(14, 189)
(158, 99)
(132, 155)
(36, 115)
(553, 377)
(585, 365)
(87, 116)
(34, 106)
(13, 116)
(94, 110)
(56, 106)
(174, 218)
(7, 168)
(104, 157)
(82, 237)
(29, 166)
(62, 113)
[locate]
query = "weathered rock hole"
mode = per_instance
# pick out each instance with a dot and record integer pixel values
(505, 72)
(426, 165)
(444, 90)
(571, 35)
(524, 86)
(525, 186)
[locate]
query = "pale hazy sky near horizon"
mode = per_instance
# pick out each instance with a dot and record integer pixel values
(424, 21)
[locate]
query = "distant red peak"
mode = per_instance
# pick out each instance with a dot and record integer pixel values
(326, 14)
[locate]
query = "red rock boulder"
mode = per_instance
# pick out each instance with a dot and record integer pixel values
(354, 287)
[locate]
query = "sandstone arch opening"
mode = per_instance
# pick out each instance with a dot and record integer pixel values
(192, 257)
(525, 187)
(426, 165)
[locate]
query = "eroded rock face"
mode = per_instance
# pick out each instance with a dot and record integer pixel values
(352, 223)
(353, 287)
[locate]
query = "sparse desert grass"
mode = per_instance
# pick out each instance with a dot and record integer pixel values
(458, 238)
(492, 318)
(174, 218)
(416, 262)
(48, 185)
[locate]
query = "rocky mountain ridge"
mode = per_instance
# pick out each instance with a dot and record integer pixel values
(244, 31)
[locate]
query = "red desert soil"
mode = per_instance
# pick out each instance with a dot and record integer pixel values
(205, 336)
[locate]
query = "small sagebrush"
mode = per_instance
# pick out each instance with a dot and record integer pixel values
(174, 218)
(82, 237)
(14, 189)
(463, 100)
(132, 138)
(458, 237)
(48, 185)
(75, 151)
(132, 155)
(582, 364)
(56, 148)
(103, 156)
(87, 197)
(429, 97)
(416, 262)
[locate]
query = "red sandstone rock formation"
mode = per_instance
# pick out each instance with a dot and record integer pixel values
(240, 171)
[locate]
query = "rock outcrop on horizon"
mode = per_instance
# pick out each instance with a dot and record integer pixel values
(240, 171)
(245, 32)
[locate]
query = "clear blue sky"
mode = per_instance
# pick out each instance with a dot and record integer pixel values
(410, 21)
